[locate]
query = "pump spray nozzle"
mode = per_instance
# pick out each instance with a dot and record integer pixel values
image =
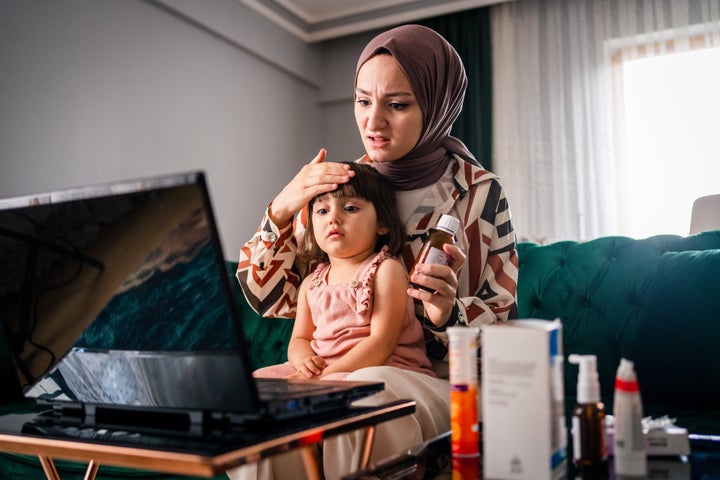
(588, 385)
(588, 427)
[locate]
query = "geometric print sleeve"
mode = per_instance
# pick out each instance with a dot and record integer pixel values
(492, 270)
(269, 271)
(487, 282)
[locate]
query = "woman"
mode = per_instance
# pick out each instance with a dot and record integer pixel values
(409, 88)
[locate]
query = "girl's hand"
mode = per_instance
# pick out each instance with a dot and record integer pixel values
(311, 366)
(442, 281)
(296, 376)
(314, 178)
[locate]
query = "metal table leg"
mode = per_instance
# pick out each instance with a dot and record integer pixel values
(366, 447)
(49, 467)
(51, 472)
(311, 462)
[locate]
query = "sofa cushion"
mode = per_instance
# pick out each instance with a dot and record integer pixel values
(599, 289)
(596, 289)
(677, 347)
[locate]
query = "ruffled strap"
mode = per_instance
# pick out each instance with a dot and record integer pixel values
(317, 275)
(365, 277)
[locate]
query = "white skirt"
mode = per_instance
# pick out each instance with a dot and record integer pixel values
(341, 454)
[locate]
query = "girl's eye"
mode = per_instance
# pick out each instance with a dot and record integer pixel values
(351, 208)
(321, 211)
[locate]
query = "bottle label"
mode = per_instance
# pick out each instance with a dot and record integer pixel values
(465, 436)
(435, 255)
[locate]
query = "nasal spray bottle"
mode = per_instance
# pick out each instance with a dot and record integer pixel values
(588, 421)
(628, 440)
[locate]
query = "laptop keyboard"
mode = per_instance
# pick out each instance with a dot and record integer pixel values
(125, 438)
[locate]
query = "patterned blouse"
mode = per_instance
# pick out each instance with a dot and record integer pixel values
(270, 273)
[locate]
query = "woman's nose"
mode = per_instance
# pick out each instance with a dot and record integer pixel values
(375, 117)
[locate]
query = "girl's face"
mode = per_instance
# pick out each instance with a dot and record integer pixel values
(387, 113)
(345, 227)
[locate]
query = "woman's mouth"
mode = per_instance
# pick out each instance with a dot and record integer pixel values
(377, 141)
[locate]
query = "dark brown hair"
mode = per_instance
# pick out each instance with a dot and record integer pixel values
(369, 184)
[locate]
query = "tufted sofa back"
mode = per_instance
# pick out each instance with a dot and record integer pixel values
(607, 290)
(268, 338)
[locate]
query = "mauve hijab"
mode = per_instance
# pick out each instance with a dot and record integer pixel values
(438, 79)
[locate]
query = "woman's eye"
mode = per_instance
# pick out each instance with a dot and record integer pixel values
(363, 102)
(398, 106)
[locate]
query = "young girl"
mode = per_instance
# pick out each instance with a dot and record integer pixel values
(353, 310)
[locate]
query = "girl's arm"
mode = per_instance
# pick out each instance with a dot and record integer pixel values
(386, 321)
(300, 352)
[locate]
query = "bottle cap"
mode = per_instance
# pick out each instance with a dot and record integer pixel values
(588, 386)
(449, 224)
(626, 379)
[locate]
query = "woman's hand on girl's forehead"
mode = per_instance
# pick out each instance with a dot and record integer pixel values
(315, 178)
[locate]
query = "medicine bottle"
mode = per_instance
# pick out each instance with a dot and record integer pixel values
(588, 421)
(462, 356)
(432, 250)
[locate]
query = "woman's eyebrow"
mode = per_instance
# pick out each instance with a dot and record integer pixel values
(389, 94)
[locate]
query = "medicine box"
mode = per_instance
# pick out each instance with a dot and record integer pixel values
(524, 433)
(659, 442)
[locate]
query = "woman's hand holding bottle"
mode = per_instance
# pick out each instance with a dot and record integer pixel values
(435, 273)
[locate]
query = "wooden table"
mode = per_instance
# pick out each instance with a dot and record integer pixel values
(219, 456)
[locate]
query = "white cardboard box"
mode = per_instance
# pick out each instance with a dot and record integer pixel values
(524, 435)
(659, 442)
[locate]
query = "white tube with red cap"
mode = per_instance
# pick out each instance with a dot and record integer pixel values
(628, 440)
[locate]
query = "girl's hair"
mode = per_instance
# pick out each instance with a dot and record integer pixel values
(369, 184)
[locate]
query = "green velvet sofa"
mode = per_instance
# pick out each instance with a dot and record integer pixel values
(655, 301)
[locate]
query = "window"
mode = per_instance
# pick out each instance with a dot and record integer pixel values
(671, 139)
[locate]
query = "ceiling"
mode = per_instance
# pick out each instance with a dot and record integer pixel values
(316, 20)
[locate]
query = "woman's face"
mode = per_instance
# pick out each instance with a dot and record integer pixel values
(387, 112)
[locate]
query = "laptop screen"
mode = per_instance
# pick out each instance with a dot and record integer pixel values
(118, 295)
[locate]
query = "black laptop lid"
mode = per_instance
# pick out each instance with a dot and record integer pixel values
(96, 304)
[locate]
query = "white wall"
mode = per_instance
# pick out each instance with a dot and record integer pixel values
(339, 57)
(100, 90)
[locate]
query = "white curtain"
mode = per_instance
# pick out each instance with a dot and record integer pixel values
(557, 139)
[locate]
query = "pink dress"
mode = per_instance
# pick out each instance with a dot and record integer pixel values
(341, 315)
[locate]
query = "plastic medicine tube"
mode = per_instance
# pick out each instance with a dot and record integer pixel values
(628, 439)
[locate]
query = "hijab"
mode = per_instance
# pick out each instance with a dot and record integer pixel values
(438, 79)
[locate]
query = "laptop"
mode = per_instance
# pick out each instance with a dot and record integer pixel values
(118, 311)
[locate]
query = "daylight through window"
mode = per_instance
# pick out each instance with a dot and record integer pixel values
(672, 139)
